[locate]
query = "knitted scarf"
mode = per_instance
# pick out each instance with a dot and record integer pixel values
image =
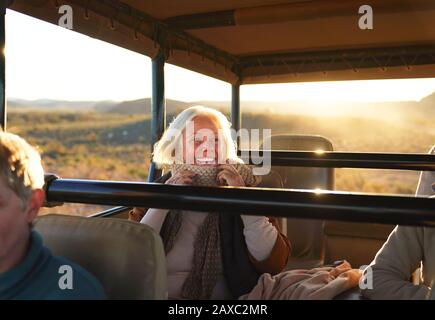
(206, 264)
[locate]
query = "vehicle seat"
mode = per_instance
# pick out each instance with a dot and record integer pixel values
(127, 257)
(358, 243)
(305, 235)
(273, 180)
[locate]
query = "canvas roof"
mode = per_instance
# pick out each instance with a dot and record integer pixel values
(263, 41)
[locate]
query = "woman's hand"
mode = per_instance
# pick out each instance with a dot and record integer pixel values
(183, 177)
(229, 176)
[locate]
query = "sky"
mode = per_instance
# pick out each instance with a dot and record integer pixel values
(44, 61)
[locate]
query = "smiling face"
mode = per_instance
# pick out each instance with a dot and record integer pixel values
(201, 137)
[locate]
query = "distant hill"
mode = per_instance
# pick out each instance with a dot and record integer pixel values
(141, 106)
(428, 103)
(386, 110)
(392, 110)
(59, 104)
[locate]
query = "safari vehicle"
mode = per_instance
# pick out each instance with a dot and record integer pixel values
(245, 42)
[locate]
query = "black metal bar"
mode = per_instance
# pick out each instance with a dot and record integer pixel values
(394, 161)
(3, 108)
(327, 55)
(236, 117)
(108, 213)
(302, 62)
(158, 107)
(254, 201)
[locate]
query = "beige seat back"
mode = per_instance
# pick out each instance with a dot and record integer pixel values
(355, 242)
(273, 180)
(305, 235)
(304, 177)
(127, 257)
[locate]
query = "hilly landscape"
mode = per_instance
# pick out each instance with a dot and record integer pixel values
(111, 140)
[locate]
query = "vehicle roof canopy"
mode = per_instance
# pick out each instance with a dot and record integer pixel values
(263, 41)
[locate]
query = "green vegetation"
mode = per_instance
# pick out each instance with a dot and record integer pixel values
(93, 144)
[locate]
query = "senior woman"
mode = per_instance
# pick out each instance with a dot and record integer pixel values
(210, 255)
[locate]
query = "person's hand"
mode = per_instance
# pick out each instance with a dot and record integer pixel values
(229, 176)
(183, 177)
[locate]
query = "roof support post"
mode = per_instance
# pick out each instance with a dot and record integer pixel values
(236, 117)
(158, 107)
(2, 66)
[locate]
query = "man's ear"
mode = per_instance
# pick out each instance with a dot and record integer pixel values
(34, 204)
